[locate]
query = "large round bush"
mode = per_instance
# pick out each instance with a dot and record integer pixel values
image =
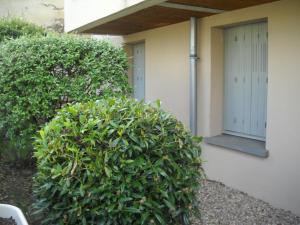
(116, 161)
(38, 75)
(12, 28)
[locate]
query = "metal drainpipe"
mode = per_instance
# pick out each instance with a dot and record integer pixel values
(193, 75)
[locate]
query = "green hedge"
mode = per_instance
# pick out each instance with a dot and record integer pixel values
(15, 28)
(116, 161)
(38, 75)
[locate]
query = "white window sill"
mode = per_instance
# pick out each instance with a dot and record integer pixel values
(241, 144)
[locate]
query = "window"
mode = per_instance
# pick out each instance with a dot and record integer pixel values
(245, 83)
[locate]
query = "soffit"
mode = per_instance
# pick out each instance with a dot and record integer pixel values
(159, 16)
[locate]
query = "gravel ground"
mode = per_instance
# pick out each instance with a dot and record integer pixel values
(9, 221)
(221, 205)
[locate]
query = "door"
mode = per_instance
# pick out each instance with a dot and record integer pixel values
(139, 71)
(246, 80)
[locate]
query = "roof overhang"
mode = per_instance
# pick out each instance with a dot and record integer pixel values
(157, 13)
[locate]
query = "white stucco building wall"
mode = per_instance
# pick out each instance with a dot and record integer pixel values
(274, 179)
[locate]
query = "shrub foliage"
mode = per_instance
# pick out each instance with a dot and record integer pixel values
(38, 75)
(15, 28)
(116, 161)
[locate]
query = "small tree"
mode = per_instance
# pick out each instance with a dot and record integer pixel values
(38, 75)
(116, 161)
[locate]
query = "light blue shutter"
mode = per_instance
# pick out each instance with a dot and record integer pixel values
(259, 80)
(246, 65)
(139, 71)
(233, 81)
(237, 79)
(245, 70)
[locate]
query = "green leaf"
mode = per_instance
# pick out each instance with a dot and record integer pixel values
(107, 171)
(170, 205)
(160, 219)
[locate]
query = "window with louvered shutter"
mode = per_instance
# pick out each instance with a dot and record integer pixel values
(245, 84)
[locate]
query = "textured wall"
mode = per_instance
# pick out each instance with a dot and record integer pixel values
(91, 10)
(48, 13)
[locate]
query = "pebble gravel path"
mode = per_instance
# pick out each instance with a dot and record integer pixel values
(221, 205)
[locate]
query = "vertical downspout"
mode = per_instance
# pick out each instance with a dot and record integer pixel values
(193, 75)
